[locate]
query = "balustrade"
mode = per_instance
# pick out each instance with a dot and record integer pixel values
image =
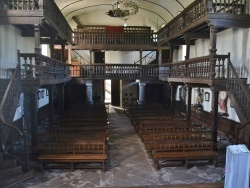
(114, 35)
(207, 67)
(21, 4)
(199, 9)
(36, 66)
(100, 71)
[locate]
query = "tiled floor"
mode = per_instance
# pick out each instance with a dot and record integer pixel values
(128, 165)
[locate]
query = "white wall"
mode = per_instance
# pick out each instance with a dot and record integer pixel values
(123, 57)
(10, 42)
(236, 41)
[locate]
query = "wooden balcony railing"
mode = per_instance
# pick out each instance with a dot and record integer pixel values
(38, 10)
(36, 66)
(207, 67)
(197, 10)
(115, 71)
(114, 35)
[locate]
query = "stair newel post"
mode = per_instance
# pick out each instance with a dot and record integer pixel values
(215, 96)
(228, 71)
(212, 50)
(25, 138)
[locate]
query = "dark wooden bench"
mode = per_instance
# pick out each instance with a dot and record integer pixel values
(183, 151)
(63, 137)
(162, 123)
(166, 128)
(80, 154)
(78, 129)
(150, 138)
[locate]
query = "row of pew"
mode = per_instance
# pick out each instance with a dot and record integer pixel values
(170, 139)
(78, 140)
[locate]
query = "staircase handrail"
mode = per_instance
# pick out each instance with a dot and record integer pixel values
(16, 75)
(238, 128)
(233, 72)
(144, 57)
(79, 55)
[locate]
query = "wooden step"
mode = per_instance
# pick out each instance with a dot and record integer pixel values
(16, 179)
(5, 173)
(8, 163)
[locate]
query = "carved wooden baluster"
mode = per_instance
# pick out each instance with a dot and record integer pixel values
(25, 67)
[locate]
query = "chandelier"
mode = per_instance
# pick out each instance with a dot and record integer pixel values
(124, 9)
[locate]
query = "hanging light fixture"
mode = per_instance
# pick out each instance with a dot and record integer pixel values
(124, 9)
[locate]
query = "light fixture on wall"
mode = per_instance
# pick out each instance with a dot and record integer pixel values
(124, 9)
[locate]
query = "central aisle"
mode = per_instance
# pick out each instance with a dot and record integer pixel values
(127, 165)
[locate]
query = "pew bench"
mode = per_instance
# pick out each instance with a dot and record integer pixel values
(183, 151)
(80, 154)
(63, 137)
(150, 138)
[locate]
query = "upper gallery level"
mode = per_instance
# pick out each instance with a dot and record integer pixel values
(45, 13)
(195, 18)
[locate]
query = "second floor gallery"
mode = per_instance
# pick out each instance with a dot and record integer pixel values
(190, 56)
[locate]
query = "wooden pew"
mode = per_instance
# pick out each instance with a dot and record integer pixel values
(78, 129)
(76, 154)
(183, 150)
(150, 138)
(155, 124)
(63, 137)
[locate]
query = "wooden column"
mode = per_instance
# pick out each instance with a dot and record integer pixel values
(213, 39)
(51, 104)
(187, 39)
(173, 97)
(31, 112)
(52, 47)
(160, 56)
(215, 95)
(188, 109)
(171, 53)
(90, 56)
(62, 52)
(61, 98)
(141, 56)
(37, 38)
(37, 49)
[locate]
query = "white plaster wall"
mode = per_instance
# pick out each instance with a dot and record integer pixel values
(11, 41)
(123, 57)
(100, 18)
(234, 41)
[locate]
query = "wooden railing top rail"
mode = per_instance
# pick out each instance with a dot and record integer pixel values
(198, 9)
(43, 67)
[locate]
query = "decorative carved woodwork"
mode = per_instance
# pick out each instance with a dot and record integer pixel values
(115, 71)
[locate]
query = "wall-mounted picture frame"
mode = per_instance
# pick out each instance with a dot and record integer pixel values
(207, 96)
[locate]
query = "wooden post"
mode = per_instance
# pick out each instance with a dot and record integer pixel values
(215, 95)
(62, 52)
(52, 47)
(37, 38)
(141, 56)
(30, 112)
(187, 39)
(90, 56)
(51, 104)
(160, 56)
(188, 109)
(173, 96)
(213, 39)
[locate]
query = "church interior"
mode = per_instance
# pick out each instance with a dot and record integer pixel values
(123, 93)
